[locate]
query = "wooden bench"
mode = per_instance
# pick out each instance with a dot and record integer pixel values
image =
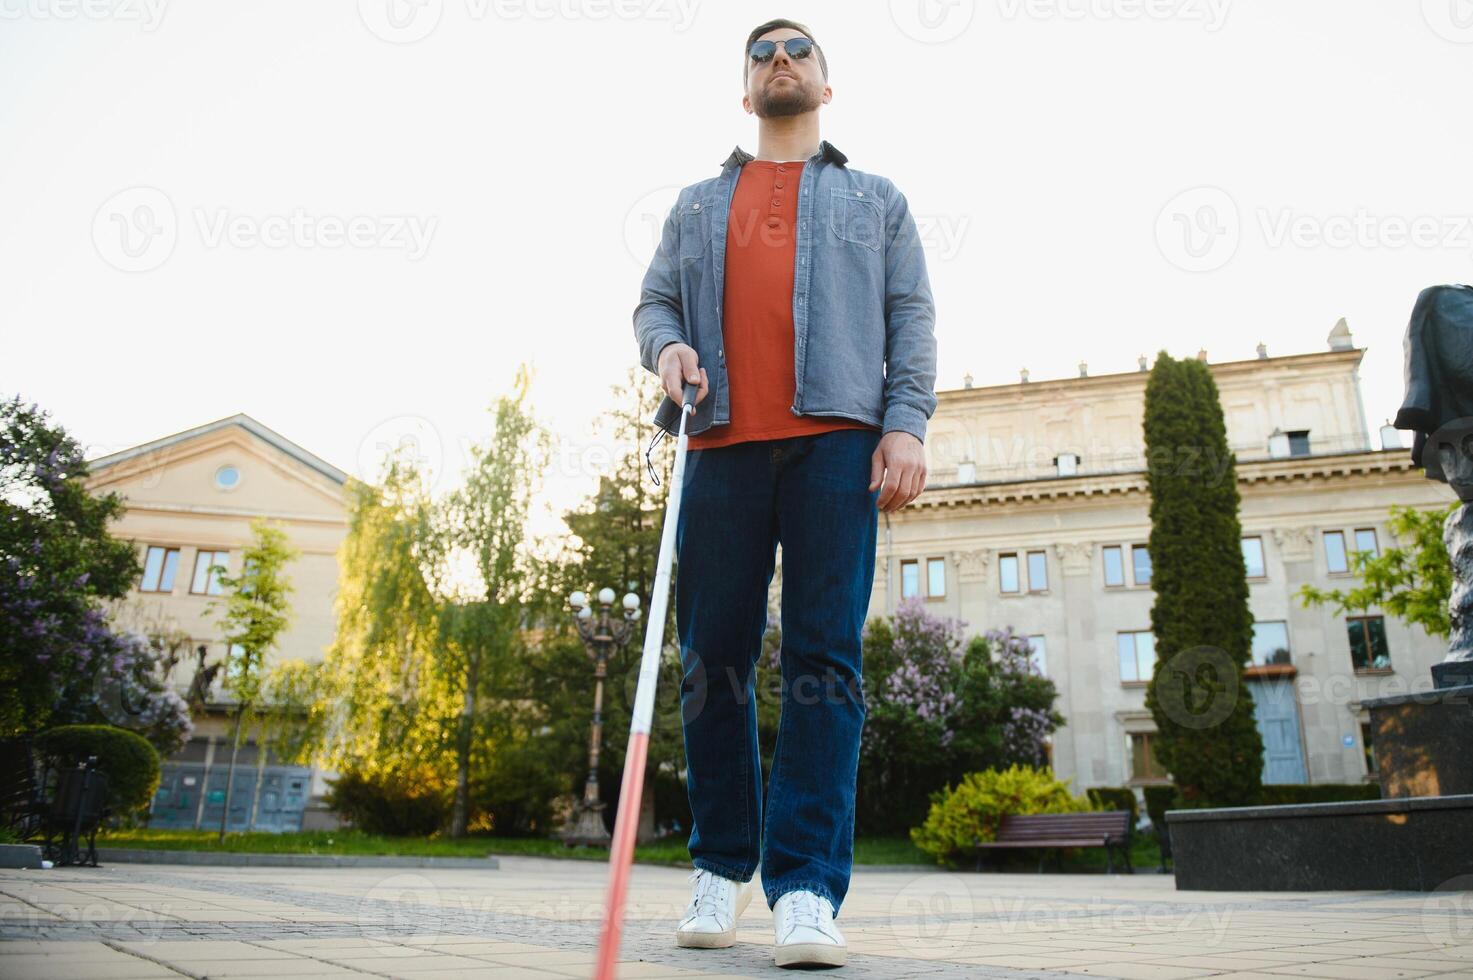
(1109, 829)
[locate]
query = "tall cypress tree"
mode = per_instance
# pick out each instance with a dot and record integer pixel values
(1203, 629)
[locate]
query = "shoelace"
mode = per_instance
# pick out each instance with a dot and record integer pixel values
(708, 892)
(803, 909)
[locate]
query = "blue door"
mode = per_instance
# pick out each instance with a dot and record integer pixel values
(1277, 711)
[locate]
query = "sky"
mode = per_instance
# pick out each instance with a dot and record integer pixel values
(353, 220)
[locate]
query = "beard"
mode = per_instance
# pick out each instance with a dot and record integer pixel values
(786, 100)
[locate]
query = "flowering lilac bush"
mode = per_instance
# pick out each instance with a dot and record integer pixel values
(941, 706)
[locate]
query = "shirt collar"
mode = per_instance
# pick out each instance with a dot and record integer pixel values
(828, 150)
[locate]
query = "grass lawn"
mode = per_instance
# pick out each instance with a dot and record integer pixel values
(669, 851)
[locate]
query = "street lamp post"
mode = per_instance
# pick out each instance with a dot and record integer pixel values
(601, 635)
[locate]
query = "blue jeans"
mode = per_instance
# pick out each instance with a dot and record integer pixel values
(811, 493)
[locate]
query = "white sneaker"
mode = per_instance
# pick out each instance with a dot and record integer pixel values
(806, 934)
(715, 905)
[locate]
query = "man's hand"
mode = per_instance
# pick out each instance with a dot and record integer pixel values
(679, 364)
(900, 461)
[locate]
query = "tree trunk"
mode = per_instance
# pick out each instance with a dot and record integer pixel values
(230, 772)
(260, 778)
(460, 816)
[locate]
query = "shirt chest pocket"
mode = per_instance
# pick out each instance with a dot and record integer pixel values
(695, 228)
(856, 217)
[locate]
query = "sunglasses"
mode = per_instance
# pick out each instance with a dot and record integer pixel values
(796, 47)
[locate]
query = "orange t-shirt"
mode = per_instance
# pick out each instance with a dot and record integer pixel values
(757, 312)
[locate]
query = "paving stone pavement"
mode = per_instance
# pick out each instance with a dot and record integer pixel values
(537, 917)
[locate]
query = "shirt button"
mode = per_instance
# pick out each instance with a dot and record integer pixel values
(777, 202)
(773, 222)
(778, 185)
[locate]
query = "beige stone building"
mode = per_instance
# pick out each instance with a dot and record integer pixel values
(1036, 517)
(191, 497)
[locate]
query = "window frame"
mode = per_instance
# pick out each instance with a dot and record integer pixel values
(1105, 565)
(1370, 667)
(1374, 549)
(1017, 589)
(916, 564)
(1344, 551)
(1149, 755)
(210, 578)
(1262, 558)
(1253, 661)
(1139, 680)
(930, 562)
(1150, 569)
(1028, 560)
(173, 575)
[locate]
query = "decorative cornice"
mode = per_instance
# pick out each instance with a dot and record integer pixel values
(1294, 469)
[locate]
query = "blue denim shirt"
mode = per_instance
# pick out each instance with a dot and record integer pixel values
(864, 343)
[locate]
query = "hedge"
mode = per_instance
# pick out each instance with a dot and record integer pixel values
(1115, 798)
(130, 762)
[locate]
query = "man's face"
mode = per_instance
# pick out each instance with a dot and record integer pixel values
(783, 86)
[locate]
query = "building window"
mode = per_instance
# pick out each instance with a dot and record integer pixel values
(1137, 656)
(1037, 571)
(1298, 442)
(159, 568)
(1144, 766)
(207, 567)
(1365, 540)
(1335, 559)
(910, 578)
(1253, 558)
(1114, 565)
(1368, 642)
(1369, 745)
(1271, 643)
(1038, 655)
(1007, 572)
(936, 577)
(1140, 564)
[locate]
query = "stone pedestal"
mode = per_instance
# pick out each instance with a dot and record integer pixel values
(1424, 742)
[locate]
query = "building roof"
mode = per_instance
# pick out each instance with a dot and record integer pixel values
(240, 420)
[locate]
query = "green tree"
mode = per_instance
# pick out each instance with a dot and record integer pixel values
(1202, 626)
(258, 610)
(1413, 583)
(378, 703)
(58, 564)
(614, 543)
(480, 652)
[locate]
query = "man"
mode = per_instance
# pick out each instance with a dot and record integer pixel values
(793, 289)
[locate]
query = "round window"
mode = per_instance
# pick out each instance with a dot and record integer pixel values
(226, 477)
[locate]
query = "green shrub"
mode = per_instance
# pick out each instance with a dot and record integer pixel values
(131, 763)
(1115, 798)
(1283, 794)
(1159, 799)
(400, 804)
(973, 811)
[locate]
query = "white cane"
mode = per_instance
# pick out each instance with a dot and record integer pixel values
(621, 857)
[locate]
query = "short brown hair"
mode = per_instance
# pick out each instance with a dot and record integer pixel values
(773, 25)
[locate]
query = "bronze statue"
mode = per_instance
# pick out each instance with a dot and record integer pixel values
(204, 679)
(1439, 409)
